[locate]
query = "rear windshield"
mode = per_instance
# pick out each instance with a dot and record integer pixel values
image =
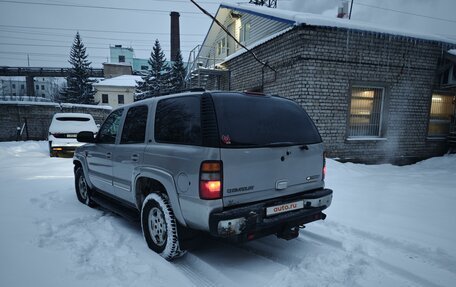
(72, 119)
(253, 121)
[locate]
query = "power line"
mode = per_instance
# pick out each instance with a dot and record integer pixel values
(70, 42)
(85, 36)
(404, 12)
(96, 31)
(96, 7)
(70, 45)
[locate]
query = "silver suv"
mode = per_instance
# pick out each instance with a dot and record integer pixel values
(235, 165)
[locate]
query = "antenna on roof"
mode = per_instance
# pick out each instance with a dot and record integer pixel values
(269, 3)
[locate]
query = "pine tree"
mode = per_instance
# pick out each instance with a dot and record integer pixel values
(156, 80)
(79, 86)
(177, 74)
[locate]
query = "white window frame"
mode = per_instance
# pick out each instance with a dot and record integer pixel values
(221, 47)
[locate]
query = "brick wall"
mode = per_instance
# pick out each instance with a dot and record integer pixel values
(38, 117)
(316, 67)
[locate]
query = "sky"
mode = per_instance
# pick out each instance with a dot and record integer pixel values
(41, 32)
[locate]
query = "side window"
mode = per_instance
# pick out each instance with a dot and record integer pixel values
(178, 121)
(108, 130)
(134, 129)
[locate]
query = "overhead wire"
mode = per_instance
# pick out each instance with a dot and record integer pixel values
(96, 7)
(404, 12)
(96, 31)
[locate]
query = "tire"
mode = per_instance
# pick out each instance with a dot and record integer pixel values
(51, 153)
(159, 226)
(83, 191)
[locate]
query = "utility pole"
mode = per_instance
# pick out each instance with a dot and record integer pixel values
(28, 60)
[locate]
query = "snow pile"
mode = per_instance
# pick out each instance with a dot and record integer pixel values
(387, 226)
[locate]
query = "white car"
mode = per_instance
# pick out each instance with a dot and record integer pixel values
(64, 129)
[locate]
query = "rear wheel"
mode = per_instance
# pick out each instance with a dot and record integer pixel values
(51, 153)
(159, 226)
(83, 191)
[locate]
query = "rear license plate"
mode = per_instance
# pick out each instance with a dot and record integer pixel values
(277, 209)
(72, 135)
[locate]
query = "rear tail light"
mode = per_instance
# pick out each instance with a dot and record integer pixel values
(323, 172)
(210, 186)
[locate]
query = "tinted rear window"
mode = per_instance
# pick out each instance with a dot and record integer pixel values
(251, 120)
(72, 119)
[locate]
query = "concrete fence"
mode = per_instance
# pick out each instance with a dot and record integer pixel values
(31, 120)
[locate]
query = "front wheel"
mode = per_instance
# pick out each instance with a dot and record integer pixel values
(83, 191)
(159, 226)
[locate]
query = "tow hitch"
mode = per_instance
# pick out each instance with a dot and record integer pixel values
(292, 231)
(288, 233)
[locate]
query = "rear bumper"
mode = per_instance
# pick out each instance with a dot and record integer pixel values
(250, 221)
(62, 150)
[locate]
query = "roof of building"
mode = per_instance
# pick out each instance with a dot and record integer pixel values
(298, 18)
(120, 81)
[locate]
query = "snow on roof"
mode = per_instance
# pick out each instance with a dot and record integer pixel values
(120, 81)
(257, 43)
(298, 18)
(452, 52)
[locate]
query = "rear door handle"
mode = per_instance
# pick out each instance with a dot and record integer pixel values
(108, 155)
(135, 157)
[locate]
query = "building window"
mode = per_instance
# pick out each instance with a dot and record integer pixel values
(104, 98)
(120, 99)
(42, 87)
(14, 94)
(37, 87)
(366, 112)
(22, 87)
(221, 46)
(121, 59)
(244, 32)
(14, 86)
(441, 115)
(43, 95)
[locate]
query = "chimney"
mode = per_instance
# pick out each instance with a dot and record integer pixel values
(175, 35)
(342, 11)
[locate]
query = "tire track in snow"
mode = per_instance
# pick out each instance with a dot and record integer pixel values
(437, 258)
(286, 263)
(197, 271)
(96, 248)
(394, 257)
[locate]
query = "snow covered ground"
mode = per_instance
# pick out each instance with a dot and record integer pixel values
(388, 226)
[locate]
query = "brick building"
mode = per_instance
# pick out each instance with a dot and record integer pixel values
(376, 95)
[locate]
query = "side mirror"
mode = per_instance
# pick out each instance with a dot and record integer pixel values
(86, 137)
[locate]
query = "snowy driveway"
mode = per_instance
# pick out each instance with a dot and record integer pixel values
(388, 226)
